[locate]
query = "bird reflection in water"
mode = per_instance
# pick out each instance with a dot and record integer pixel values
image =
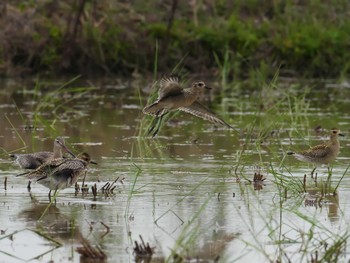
(316, 199)
(47, 218)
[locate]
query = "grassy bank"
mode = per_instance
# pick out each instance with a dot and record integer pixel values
(304, 38)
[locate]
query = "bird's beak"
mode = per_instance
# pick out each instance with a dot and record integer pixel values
(341, 134)
(93, 162)
(68, 151)
(207, 87)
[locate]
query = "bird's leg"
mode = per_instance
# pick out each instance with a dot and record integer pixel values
(32, 198)
(50, 196)
(54, 195)
(312, 173)
(156, 122)
(28, 186)
(329, 174)
(82, 186)
(153, 125)
(159, 124)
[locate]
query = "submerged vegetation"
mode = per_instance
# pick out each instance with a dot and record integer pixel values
(304, 38)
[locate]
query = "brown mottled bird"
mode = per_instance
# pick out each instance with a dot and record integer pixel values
(323, 153)
(59, 173)
(34, 160)
(172, 97)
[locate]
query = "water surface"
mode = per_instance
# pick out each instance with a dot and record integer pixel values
(187, 191)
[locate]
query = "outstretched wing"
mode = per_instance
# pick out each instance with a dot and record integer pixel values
(169, 86)
(201, 111)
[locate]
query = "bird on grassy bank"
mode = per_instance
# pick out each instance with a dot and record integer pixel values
(59, 173)
(34, 160)
(321, 154)
(172, 96)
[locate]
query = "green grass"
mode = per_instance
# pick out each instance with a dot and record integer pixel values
(56, 103)
(235, 37)
(273, 107)
(282, 232)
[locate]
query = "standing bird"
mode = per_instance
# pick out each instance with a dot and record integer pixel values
(59, 173)
(172, 97)
(323, 153)
(34, 160)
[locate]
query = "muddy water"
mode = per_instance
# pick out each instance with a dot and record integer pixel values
(189, 190)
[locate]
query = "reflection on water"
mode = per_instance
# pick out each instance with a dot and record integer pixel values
(19, 246)
(324, 195)
(49, 219)
(194, 192)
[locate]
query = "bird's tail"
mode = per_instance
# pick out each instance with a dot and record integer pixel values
(155, 109)
(290, 153)
(13, 156)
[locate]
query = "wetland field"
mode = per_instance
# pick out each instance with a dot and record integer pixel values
(195, 192)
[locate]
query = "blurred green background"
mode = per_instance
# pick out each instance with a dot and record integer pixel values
(97, 37)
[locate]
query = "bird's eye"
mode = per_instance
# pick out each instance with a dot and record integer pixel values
(58, 141)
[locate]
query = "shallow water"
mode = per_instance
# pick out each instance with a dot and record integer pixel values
(188, 190)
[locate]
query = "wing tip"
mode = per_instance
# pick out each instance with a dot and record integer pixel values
(170, 78)
(224, 123)
(202, 112)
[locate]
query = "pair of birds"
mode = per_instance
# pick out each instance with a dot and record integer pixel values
(52, 169)
(172, 96)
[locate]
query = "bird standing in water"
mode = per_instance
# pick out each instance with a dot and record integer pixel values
(34, 160)
(321, 154)
(59, 173)
(172, 97)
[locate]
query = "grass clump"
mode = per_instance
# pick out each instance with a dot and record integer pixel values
(306, 37)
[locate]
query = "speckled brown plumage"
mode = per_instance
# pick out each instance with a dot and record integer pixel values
(60, 173)
(172, 96)
(323, 153)
(34, 160)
